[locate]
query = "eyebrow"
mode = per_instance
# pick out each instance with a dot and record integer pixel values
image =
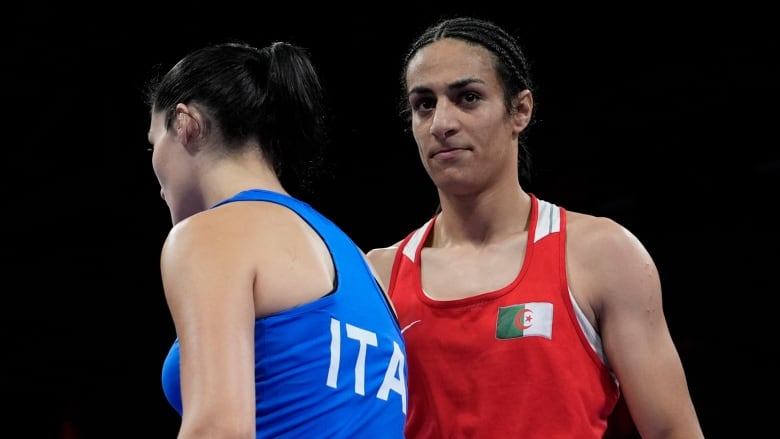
(457, 85)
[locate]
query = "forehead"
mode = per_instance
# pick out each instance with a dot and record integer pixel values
(447, 61)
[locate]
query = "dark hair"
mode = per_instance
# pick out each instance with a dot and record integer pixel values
(272, 94)
(510, 64)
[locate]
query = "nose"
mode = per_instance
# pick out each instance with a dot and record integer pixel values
(444, 122)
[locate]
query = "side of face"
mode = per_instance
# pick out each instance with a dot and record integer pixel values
(173, 166)
(459, 120)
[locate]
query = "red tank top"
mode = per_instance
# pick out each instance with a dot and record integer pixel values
(516, 362)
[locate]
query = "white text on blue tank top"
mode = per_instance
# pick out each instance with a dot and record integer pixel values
(394, 379)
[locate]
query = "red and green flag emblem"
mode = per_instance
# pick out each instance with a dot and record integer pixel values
(524, 320)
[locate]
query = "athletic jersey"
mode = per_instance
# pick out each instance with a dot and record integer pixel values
(331, 368)
(519, 362)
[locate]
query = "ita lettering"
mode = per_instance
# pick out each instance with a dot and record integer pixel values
(394, 379)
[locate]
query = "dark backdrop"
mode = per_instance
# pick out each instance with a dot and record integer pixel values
(662, 120)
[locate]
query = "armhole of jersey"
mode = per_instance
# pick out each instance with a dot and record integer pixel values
(594, 339)
(588, 331)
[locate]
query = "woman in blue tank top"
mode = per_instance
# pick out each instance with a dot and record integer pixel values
(281, 327)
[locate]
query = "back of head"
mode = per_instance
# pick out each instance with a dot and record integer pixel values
(271, 95)
(510, 62)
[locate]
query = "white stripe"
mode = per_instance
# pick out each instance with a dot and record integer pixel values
(410, 250)
(549, 220)
(590, 333)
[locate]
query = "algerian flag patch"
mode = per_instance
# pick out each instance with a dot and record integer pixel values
(525, 320)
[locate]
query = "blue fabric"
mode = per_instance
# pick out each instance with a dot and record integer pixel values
(332, 368)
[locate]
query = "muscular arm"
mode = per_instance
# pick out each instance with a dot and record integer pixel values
(209, 294)
(613, 274)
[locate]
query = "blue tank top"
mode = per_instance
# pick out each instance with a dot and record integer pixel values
(331, 368)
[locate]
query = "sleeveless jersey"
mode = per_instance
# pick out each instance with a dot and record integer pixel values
(519, 362)
(334, 367)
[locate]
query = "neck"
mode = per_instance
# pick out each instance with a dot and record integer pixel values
(230, 176)
(482, 219)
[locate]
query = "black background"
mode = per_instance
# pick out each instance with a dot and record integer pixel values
(663, 120)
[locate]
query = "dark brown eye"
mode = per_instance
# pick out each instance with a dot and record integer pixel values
(470, 97)
(423, 104)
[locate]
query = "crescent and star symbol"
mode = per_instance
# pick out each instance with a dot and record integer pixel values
(522, 317)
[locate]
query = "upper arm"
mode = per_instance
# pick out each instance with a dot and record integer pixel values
(623, 289)
(208, 288)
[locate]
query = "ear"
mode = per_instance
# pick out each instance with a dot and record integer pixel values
(188, 122)
(522, 109)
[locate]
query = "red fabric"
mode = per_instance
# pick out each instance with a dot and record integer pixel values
(464, 382)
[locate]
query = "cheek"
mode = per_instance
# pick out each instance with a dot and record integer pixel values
(494, 132)
(422, 140)
(420, 132)
(164, 160)
(157, 164)
(164, 167)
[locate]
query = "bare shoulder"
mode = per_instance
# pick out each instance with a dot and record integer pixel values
(186, 239)
(192, 265)
(230, 242)
(602, 237)
(381, 260)
(220, 231)
(201, 239)
(245, 251)
(383, 254)
(607, 264)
